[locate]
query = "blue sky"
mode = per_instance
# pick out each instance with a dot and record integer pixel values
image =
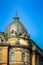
(30, 13)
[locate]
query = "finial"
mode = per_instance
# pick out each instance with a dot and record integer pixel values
(16, 13)
(16, 16)
(16, 10)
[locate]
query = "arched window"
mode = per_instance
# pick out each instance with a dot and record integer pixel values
(12, 56)
(23, 56)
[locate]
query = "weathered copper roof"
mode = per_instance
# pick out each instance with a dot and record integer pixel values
(17, 27)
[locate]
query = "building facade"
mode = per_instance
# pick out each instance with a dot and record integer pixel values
(17, 48)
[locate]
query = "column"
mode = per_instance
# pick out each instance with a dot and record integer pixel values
(33, 58)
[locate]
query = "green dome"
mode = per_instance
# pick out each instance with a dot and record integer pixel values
(17, 27)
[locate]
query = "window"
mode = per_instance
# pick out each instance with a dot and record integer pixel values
(12, 56)
(28, 57)
(23, 56)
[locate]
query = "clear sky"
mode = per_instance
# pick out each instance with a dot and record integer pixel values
(30, 13)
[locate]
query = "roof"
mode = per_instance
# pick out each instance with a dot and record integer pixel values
(36, 47)
(17, 27)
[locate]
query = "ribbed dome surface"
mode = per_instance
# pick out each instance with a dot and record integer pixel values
(16, 26)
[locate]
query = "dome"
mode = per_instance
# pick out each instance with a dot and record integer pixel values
(16, 27)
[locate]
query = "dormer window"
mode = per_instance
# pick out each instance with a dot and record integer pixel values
(12, 31)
